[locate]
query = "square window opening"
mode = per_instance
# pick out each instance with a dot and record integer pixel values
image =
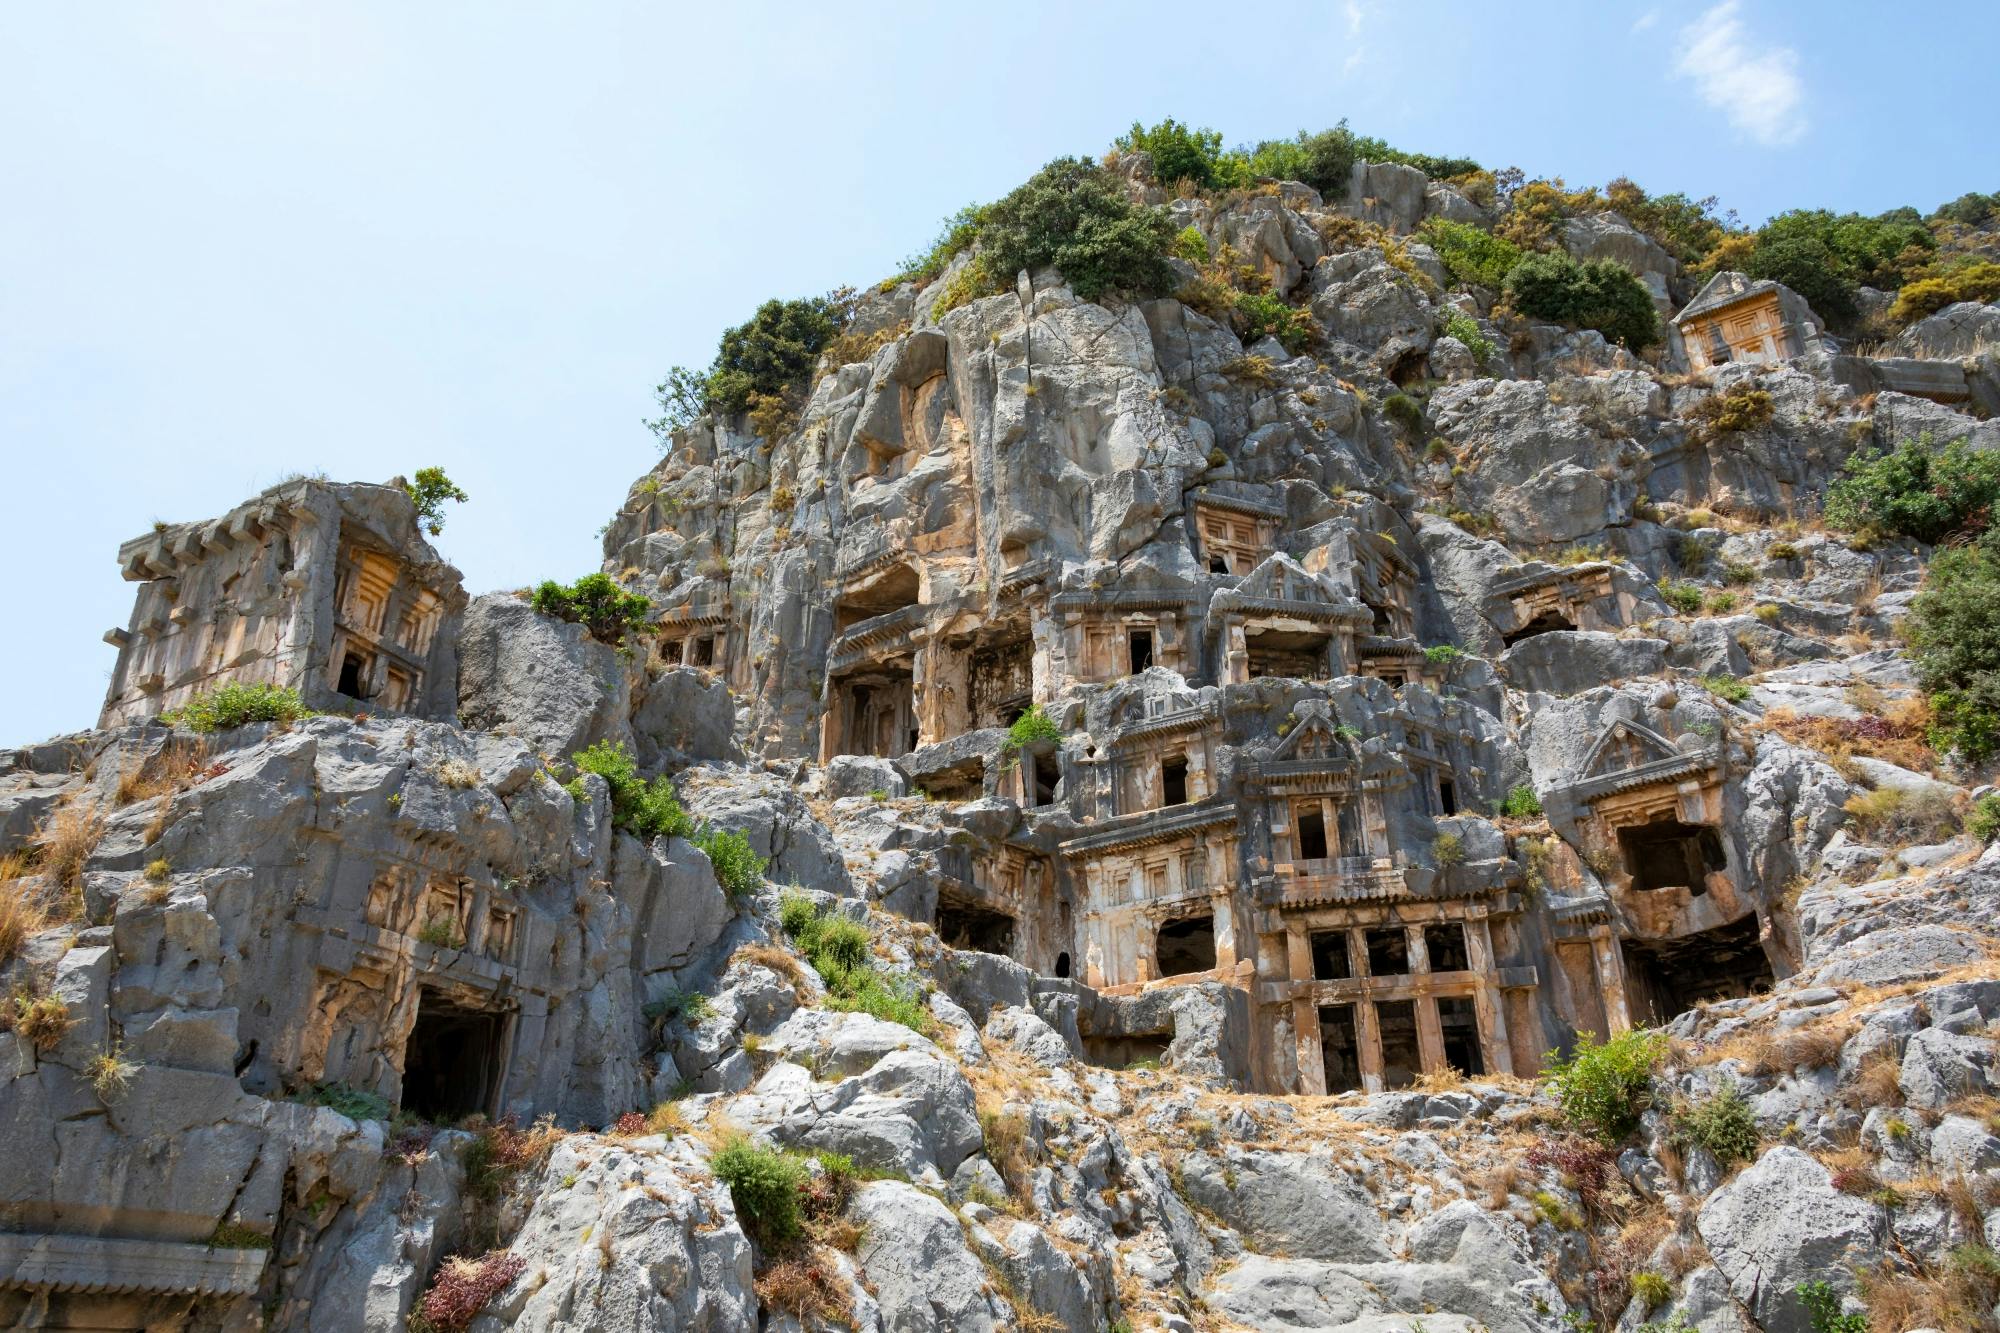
(1445, 945)
(1186, 946)
(1388, 952)
(1329, 956)
(1141, 644)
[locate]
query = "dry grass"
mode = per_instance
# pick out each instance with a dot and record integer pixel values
(1960, 1297)
(667, 1119)
(1769, 1052)
(41, 1021)
(1878, 1082)
(778, 960)
(1895, 734)
(1447, 1079)
(809, 1289)
(66, 839)
(1501, 1183)
(23, 914)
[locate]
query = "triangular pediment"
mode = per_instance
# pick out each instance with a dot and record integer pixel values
(1281, 578)
(1625, 745)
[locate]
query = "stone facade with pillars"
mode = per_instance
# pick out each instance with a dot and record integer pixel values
(1736, 318)
(329, 589)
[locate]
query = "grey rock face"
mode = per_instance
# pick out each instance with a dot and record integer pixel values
(927, 1278)
(1781, 1223)
(540, 679)
(639, 1236)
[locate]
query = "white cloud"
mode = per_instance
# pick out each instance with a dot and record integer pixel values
(1646, 20)
(1355, 15)
(1757, 87)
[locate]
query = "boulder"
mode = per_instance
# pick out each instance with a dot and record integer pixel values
(539, 678)
(1780, 1223)
(925, 1276)
(687, 717)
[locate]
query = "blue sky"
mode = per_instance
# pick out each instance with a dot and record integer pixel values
(243, 239)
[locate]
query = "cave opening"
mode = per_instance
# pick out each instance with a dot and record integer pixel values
(968, 925)
(453, 1059)
(1458, 1020)
(1541, 624)
(1141, 644)
(1667, 854)
(1340, 1048)
(1186, 946)
(1666, 978)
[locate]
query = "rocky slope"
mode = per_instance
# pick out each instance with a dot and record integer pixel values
(624, 1061)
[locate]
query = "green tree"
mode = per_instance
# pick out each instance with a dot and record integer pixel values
(1597, 294)
(1954, 637)
(1470, 255)
(1075, 217)
(596, 602)
(766, 360)
(429, 492)
(1181, 152)
(1917, 491)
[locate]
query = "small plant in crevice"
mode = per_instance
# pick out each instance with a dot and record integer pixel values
(462, 1288)
(1723, 1123)
(237, 705)
(110, 1073)
(429, 491)
(840, 949)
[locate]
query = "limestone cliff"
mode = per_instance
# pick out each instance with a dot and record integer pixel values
(1097, 825)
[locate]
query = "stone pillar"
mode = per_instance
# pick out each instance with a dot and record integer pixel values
(1430, 1034)
(1611, 981)
(1234, 668)
(832, 721)
(1368, 1044)
(1312, 1059)
(1494, 1046)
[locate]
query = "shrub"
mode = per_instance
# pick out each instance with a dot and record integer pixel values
(1681, 596)
(769, 357)
(1822, 1306)
(1686, 228)
(1954, 635)
(841, 950)
(1537, 209)
(110, 1073)
(1405, 411)
(1521, 803)
(1826, 257)
(1982, 821)
(956, 234)
(1598, 294)
(350, 1102)
(1979, 281)
(1032, 728)
(1472, 256)
(646, 810)
(1651, 1290)
(1739, 572)
(1722, 1123)
(1183, 153)
(1916, 491)
(1074, 216)
(1325, 160)
(463, 1287)
(738, 869)
(1260, 314)
(237, 705)
(1900, 816)
(764, 1184)
(1443, 654)
(596, 602)
(1252, 369)
(502, 1151)
(1727, 688)
(1447, 850)
(1191, 245)
(1603, 1088)
(1740, 409)
(429, 492)
(690, 1005)
(1459, 325)
(442, 932)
